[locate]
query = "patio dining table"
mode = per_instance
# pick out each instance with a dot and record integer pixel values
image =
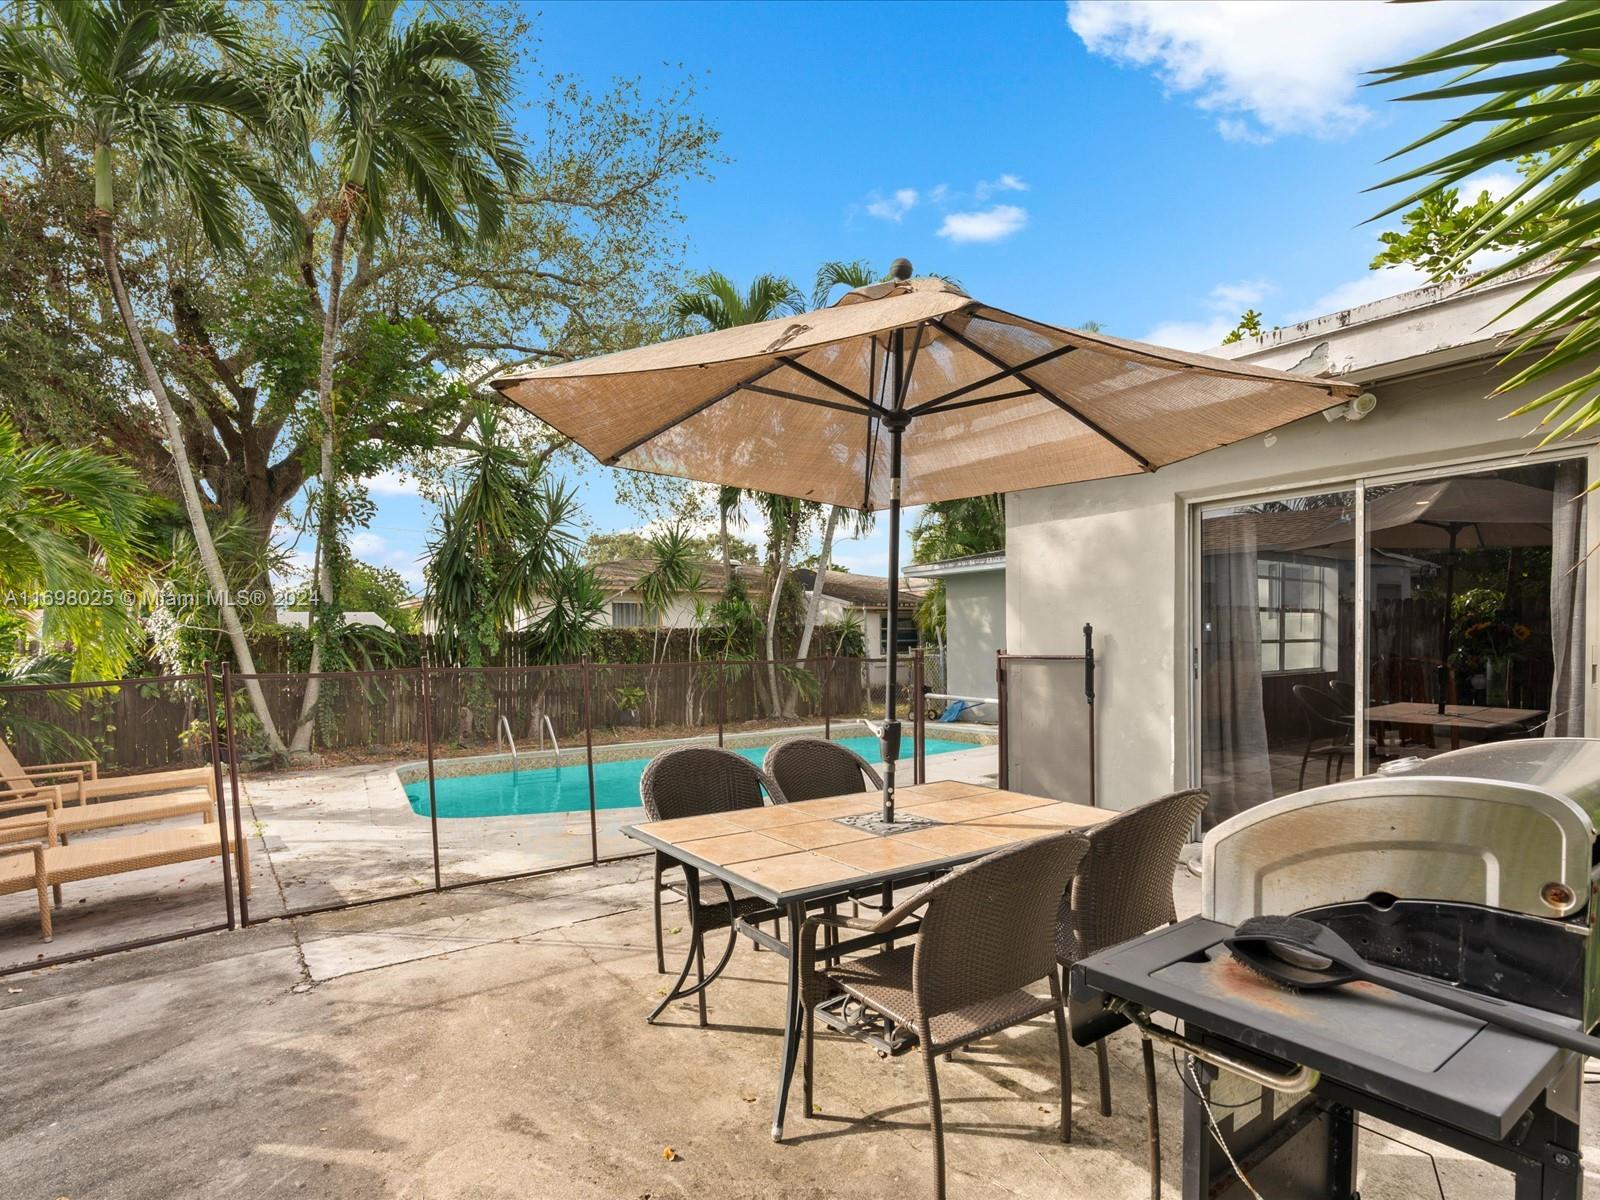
(795, 855)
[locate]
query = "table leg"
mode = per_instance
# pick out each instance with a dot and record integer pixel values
(794, 1022)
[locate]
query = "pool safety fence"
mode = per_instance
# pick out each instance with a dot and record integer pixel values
(1046, 722)
(330, 782)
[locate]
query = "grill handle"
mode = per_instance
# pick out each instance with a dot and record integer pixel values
(1290, 1083)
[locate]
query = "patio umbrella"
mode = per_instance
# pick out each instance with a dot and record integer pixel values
(906, 392)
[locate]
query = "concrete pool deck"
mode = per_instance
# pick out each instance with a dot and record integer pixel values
(332, 836)
(490, 1044)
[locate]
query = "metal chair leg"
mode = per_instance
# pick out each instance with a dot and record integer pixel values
(700, 976)
(661, 959)
(811, 1029)
(1154, 1117)
(1103, 1065)
(1060, 1015)
(930, 1065)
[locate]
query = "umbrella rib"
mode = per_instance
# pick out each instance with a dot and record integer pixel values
(998, 376)
(836, 405)
(832, 384)
(1144, 463)
(925, 411)
(611, 460)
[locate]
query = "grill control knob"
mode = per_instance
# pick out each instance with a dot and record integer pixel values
(1558, 896)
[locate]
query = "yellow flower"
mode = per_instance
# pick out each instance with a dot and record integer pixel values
(1522, 631)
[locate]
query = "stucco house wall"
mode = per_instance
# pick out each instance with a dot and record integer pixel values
(1118, 552)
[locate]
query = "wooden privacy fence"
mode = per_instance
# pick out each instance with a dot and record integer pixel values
(148, 724)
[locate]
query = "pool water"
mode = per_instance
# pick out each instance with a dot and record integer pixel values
(566, 789)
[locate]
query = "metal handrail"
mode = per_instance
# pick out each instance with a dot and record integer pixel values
(553, 742)
(505, 725)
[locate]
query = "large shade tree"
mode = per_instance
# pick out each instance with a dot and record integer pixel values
(158, 86)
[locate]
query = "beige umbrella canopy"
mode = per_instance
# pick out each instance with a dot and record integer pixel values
(903, 393)
(991, 401)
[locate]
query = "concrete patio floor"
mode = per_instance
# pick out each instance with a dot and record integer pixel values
(490, 1042)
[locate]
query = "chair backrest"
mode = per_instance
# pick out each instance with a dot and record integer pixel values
(694, 780)
(808, 768)
(1123, 887)
(989, 927)
(10, 769)
(1323, 712)
(1345, 693)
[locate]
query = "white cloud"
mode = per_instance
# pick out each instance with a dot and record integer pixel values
(987, 225)
(1499, 184)
(391, 483)
(1006, 183)
(892, 207)
(1224, 303)
(938, 193)
(1268, 68)
(366, 544)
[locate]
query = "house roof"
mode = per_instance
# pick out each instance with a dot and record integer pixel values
(1437, 325)
(967, 564)
(868, 591)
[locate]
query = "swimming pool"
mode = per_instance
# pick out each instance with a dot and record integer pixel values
(566, 789)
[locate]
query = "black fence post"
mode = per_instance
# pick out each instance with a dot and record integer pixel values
(1004, 775)
(588, 750)
(722, 697)
(216, 795)
(433, 799)
(1088, 695)
(233, 777)
(827, 682)
(919, 729)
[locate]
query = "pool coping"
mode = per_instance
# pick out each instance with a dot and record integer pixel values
(485, 764)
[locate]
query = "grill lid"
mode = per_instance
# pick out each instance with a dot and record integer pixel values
(1509, 826)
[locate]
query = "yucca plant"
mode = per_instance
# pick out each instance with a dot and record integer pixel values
(1533, 86)
(69, 548)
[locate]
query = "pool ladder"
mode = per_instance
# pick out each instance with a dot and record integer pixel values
(505, 729)
(504, 732)
(555, 745)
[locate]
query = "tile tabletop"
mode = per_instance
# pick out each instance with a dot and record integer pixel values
(786, 851)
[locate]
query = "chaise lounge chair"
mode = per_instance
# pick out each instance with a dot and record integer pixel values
(39, 866)
(41, 814)
(81, 781)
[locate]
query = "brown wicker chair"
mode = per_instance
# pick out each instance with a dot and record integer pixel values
(808, 768)
(692, 781)
(985, 937)
(1123, 888)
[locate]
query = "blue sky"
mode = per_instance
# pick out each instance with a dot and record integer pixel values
(1154, 167)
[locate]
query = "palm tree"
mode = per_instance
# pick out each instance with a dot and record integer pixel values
(69, 532)
(954, 529)
(715, 302)
(860, 524)
(131, 80)
(1533, 87)
(504, 546)
(830, 275)
(419, 111)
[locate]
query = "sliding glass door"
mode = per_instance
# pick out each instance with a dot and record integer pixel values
(1340, 629)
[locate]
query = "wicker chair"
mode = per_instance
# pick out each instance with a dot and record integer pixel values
(985, 937)
(692, 781)
(1123, 888)
(809, 768)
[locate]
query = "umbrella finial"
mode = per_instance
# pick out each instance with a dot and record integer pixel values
(900, 269)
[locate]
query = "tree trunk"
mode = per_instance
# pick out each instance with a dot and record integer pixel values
(727, 551)
(814, 606)
(206, 548)
(322, 613)
(780, 572)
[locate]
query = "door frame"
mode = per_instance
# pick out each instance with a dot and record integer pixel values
(1188, 598)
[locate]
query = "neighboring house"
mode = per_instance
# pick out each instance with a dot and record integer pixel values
(975, 623)
(1250, 602)
(863, 598)
(301, 619)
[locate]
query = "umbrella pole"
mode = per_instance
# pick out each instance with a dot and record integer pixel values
(889, 742)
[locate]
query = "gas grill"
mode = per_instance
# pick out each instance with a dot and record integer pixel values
(1476, 868)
